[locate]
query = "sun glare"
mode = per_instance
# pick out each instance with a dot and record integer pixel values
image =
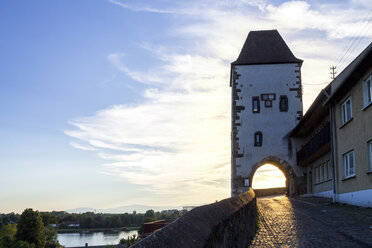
(268, 176)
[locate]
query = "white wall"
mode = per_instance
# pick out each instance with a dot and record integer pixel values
(360, 198)
(274, 125)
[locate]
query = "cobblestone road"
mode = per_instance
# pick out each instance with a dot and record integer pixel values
(295, 222)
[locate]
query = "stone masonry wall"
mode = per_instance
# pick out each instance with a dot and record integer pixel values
(228, 223)
(271, 191)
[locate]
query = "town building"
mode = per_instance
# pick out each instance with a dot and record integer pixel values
(328, 151)
(351, 114)
(335, 136)
(266, 104)
(312, 139)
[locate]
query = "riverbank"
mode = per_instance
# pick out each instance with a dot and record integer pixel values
(89, 230)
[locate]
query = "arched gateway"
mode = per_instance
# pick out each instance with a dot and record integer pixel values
(283, 166)
(266, 104)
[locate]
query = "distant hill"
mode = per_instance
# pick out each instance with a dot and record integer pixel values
(122, 209)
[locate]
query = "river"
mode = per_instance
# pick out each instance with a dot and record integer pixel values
(93, 238)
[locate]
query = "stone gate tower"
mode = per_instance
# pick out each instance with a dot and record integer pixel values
(266, 104)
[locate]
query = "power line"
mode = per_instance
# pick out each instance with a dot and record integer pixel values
(354, 39)
(356, 45)
(317, 84)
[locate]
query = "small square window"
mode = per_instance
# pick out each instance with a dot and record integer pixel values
(268, 96)
(346, 111)
(268, 104)
(349, 164)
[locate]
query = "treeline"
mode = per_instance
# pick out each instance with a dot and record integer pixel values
(11, 218)
(28, 232)
(96, 220)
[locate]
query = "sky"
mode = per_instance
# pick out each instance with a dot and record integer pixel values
(108, 103)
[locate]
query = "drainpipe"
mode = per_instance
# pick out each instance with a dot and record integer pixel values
(333, 152)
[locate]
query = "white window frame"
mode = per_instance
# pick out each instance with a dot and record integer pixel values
(369, 147)
(347, 159)
(345, 116)
(367, 91)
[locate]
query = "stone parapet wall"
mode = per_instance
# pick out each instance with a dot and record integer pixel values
(229, 223)
(271, 191)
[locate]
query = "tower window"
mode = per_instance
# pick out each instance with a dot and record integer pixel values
(268, 104)
(255, 104)
(258, 138)
(283, 104)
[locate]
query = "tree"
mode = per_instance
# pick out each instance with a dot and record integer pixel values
(51, 237)
(131, 240)
(49, 218)
(31, 228)
(150, 214)
(8, 242)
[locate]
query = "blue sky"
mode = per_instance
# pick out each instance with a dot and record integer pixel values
(110, 103)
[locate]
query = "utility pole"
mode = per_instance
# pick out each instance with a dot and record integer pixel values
(333, 72)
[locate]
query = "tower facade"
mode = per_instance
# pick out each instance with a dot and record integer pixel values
(266, 104)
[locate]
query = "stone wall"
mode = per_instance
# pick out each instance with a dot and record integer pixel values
(271, 191)
(228, 223)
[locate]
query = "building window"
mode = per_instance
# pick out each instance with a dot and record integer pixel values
(317, 174)
(346, 113)
(367, 91)
(370, 154)
(329, 168)
(325, 172)
(349, 164)
(283, 104)
(258, 138)
(268, 104)
(255, 104)
(268, 98)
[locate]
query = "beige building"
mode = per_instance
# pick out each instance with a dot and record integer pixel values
(350, 104)
(312, 139)
(333, 141)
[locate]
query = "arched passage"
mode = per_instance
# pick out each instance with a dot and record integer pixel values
(268, 176)
(283, 166)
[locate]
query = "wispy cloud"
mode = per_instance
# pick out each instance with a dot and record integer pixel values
(176, 142)
(82, 147)
(140, 8)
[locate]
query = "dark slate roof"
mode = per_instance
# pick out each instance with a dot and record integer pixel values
(265, 47)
